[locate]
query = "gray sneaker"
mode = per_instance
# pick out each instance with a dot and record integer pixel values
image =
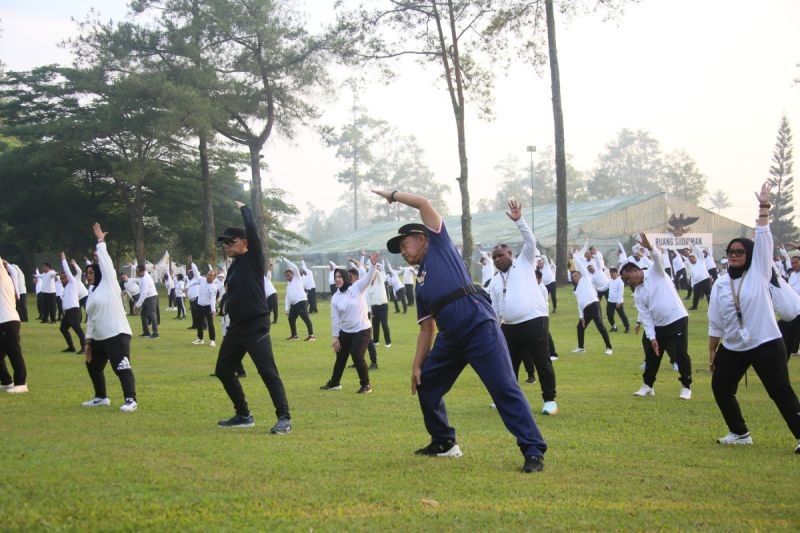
(237, 421)
(281, 427)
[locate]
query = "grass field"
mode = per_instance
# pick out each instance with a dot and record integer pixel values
(615, 461)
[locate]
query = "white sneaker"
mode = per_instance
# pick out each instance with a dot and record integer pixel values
(387, 345)
(675, 367)
(96, 402)
(549, 408)
(17, 389)
(608, 351)
(686, 394)
(645, 390)
(129, 406)
(797, 449)
(212, 344)
(198, 341)
(643, 365)
(578, 350)
(6, 387)
(732, 439)
(554, 358)
(492, 406)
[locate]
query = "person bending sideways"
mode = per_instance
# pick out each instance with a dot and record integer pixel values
(468, 333)
(248, 330)
(742, 331)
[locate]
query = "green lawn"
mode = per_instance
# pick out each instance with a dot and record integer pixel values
(615, 461)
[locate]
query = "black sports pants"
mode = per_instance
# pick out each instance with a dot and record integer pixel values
(528, 340)
(673, 339)
(72, 319)
(300, 309)
(592, 313)
(611, 308)
(351, 344)
(380, 319)
(10, 346)
(117, 350)
(204, 314)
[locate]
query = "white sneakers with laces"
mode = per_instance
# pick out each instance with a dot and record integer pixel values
(732, 439)
(97, 402)
(129, 406)
(608, 351)
(18, 389)
(645, 390)
(198, 341)
(578, 350)
(212, 344)
(686, 394)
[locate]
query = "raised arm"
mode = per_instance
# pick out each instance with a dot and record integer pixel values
(622, 255)
(762, 251)
(292, 267)
(365, 280)
(103, 259)
(430, 217)
(66, 269)
(580, 264)
(529, 247)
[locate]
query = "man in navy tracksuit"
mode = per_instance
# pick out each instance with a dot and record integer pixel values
(468, 334)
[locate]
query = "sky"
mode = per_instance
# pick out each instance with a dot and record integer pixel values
(711, 77)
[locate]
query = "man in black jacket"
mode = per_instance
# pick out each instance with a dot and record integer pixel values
(248, 331)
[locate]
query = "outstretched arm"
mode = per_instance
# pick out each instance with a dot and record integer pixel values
(430, 217)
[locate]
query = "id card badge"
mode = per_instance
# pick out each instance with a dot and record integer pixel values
(745, 335)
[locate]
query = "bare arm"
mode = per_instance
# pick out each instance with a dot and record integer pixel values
(430, 217)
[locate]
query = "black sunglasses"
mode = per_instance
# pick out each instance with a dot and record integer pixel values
(736, 252)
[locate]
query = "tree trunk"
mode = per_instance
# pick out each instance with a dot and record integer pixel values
(463, 186)
(257, 196)
(561, 160)
(138, 224)
(208, 206)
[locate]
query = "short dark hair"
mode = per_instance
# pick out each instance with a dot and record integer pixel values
(613, 269)
(140, 268)
(628, 266)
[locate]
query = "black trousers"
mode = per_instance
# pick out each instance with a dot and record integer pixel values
(272, 305)
(197, 320)
(380, 319)
(149, 316)
(300, 309)
(551, 290)
(40, 306)
(60, 308)
(701, 288)
(592, 313)
(373, 353)
(611, 309)
(400, 296)
(116, 350)
(673, 339)
(204, 311)
(528, 341)
(22, 307)
(312, 300)
(602, 294)
(49, 306)
(769, 362)
(713, 273)
(679, 280)
(82, 303)
(72, 320)
(351, 345)
(10, 347)
(409, 293)
(180, 306)
(791, 335)
(171, 298)
(131, 305)
(259, 345)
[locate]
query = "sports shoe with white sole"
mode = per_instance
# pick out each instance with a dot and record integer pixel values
(281, 427)
(6, 387)
(533, 464)
(608, 351)
(328, 386)
(212, 344)
(18, 389)
(732, 439)
(645, 390)
(97, 402)
(686, 394)
(440, 449)
(129, 406)
(198, 341)
(578, 350)
(554, 358)
(237, 421)
(549, 408)
(797, 449)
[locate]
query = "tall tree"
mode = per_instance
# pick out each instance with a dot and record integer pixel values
(719, 200)
(631, 164)
(448, 34)
(681, 177)
(782, 195)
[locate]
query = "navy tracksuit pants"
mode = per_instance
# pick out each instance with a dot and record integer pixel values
(484, 348)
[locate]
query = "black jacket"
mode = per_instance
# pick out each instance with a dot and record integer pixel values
(246, 300)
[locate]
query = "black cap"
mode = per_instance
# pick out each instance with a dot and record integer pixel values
(232, 233)
(393, 244)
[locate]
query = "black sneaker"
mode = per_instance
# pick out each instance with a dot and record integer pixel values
(533, 464)
(614, 328)
(531, 379)
(237, 421)
(365, 389)
(144, 334)
(330, 386)
(281, 427)
(154, 336)
(440, 449)
(292, 338)
(373, 366)
(69, 349)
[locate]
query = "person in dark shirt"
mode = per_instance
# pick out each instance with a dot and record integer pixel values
(469, 333)
(246, 307)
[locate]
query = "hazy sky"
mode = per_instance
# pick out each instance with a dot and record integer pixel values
(711, 77)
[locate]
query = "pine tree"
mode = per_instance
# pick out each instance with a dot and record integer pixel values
(782, 197)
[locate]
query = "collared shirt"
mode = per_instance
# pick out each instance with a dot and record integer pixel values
(308, 278)
(656, 299)
(516, 297)
(758, 314)
(295, 292)
(132, 287)
(69, 296)
(147, 289)
(180, 287)
(585, 293)
(699, 270)
(207, 294)
(105, 314)
(48, 281)
(376, 295)
(616, 291)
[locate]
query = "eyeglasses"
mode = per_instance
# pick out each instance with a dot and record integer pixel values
(230, 242)
(736, 252)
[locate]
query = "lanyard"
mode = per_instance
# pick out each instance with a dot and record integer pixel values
(736, 301)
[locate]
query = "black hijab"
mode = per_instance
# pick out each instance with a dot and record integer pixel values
(737, 272)
(346, 280)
